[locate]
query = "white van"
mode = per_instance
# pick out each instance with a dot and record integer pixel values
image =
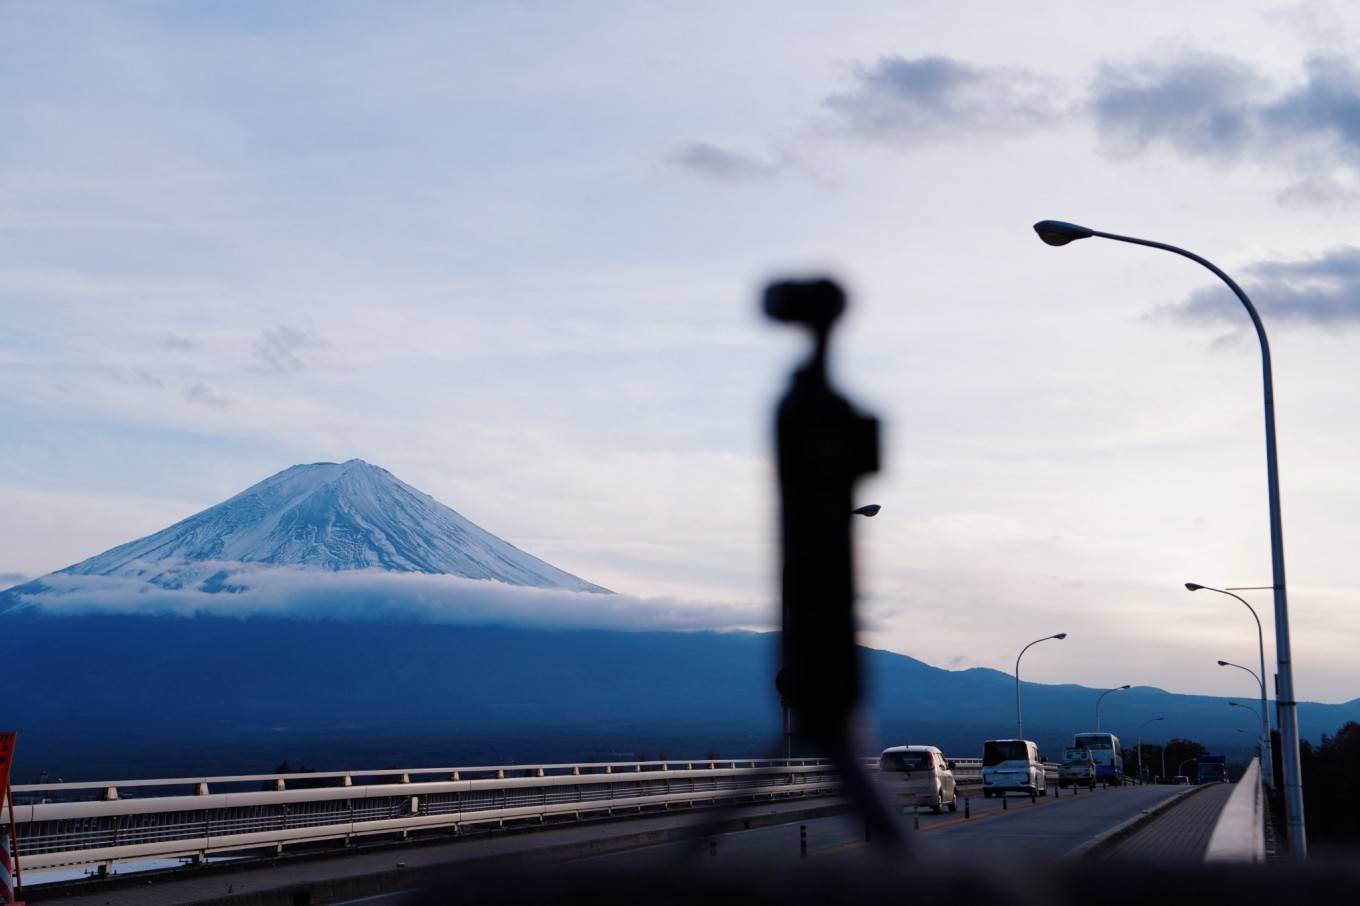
(1012, 765)
(918, 775)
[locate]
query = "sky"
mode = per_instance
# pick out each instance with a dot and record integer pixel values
(513, 253)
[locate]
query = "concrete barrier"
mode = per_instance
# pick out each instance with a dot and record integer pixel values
(1239, 834)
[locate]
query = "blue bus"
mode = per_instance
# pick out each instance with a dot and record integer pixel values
(1106, 753)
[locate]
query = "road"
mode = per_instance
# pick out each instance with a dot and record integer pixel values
(1044, 830)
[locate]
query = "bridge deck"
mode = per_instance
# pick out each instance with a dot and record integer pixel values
(1045, 829)
(553, 844)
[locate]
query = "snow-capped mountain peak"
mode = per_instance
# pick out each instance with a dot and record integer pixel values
(333, 516)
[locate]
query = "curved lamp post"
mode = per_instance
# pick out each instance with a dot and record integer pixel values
(1102, 698)
(1267, 754)
(1019, 725)
(1057, 232)
(1140, 745)
(1249, 733)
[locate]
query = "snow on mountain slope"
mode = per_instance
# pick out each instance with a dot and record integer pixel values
(332, 516)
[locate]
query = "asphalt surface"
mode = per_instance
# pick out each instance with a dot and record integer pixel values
(1046, 829)
(190, 886)
(1019, 831)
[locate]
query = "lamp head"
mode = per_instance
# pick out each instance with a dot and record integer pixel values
(1232, 704)
(1193, 586)
(1058, 232)
(1061, 635)
(1126, 686)
(1223, 663)
(869, 509)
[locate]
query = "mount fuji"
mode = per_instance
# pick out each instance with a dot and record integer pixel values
(323, 516)
(333, 614)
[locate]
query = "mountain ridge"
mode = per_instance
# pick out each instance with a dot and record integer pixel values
(355, 692)
(329, 516)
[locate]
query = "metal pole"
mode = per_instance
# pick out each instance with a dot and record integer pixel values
(1140, 746)
(1262, 717)
(1267, 757)
(1058, 233)
(1019, 725)
(1101, 699)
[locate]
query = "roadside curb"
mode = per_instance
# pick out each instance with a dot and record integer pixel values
(1105, 840)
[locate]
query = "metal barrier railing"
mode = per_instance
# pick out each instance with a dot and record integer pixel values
(102, 822)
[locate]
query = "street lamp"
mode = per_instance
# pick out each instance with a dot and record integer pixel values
(1019, 725)
(1267, 753)
(1056, 232)
(1140, 745)
(1102, 698)
(869, 509)
(1240, 705)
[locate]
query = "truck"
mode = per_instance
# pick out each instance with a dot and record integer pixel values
(1211, 769)
(1078, 768)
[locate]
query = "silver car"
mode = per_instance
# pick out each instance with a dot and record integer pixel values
(918, 775)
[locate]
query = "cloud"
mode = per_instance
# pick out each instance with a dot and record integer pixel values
(377, 595)
(1200, 105)
(914, 101)
(1322, 292)
(279, 349)
(178, 343)
(722, 165)
(9, 579)
(1326, 104)
(205, 395)
(1216, 107)
(138, 376)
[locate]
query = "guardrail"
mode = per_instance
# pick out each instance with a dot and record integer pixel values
(108, 821)
(1239, 833)
(196, 817)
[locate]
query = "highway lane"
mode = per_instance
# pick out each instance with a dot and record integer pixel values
(1046, 829)
(1017, 830)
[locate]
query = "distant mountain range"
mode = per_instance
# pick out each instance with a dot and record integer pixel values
(141, 692)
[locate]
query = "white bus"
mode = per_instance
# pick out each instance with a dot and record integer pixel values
(1106, 753)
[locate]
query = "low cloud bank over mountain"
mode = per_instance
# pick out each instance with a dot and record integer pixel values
(235, 589)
